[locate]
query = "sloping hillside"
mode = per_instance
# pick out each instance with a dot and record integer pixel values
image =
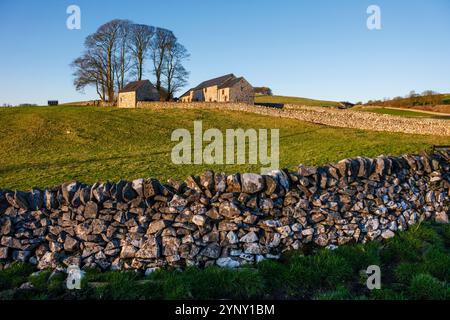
(431, 102)
(295, 101)
(44, 146)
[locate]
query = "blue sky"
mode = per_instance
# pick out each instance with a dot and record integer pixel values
(318, 49)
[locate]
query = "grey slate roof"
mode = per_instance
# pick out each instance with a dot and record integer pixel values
(230, 82)
(133, 86)
(214, 82)
(186, 93)
(222, 82)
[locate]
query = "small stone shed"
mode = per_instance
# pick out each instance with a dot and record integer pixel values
(136, 91)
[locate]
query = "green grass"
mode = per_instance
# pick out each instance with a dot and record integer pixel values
(15, 275)
(422, 273)
(408, 102)
(295, 101)
(427, 287)
(402, 113)
(396, 112)
(45, 146)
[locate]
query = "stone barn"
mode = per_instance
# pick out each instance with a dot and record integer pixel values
(136, 91)
(227, 88)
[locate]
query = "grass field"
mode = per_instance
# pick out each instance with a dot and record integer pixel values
(295, 101)
(396, 112)
(45, 146)
(402, 113)
(424, 102)
(414, 265)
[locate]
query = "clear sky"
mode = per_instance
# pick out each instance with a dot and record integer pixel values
(318, 49)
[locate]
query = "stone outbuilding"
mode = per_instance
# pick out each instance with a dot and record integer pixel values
(227, 88)
(136, 91)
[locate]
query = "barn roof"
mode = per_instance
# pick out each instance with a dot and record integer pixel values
(186, 93)
(230, 82)
(214, 82)
(225, 81)
(133, 86)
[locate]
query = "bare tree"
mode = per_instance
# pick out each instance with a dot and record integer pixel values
(413, 98)
(139, 44)
(104, 63)
(117, 47)
(429, 93)
(122, 59)
(263, 91)
(103, 44)
(412, 94)
(90, 71)
(174, 72)
(431, 97)
(161, 41)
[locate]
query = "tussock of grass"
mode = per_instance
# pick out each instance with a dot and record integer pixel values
(211, 283)
(56, 284)
(427, 287)
(387, 294)
(411, 245)
(437, 263)
(404, 272)
(340, 293)
(360, 256)
(319, 271)
(15, 275)
(120, 286)
(444, 232)
(40, 279)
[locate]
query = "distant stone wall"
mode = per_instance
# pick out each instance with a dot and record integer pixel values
(324, 115)
(106, 104)
(91, 103)
(192, 105)
(228, 220)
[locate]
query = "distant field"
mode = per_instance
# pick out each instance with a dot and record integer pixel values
(44, 146)
(403, 113)
(295, 100)
(438, 108)
(434, 103)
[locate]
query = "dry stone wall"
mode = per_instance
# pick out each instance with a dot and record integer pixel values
(324, 115)
(228, 220)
